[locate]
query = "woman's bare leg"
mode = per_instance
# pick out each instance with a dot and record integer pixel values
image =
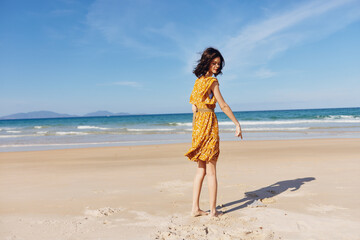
(198, 180)
(212, 184)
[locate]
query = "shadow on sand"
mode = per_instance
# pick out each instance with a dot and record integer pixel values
(267, 192)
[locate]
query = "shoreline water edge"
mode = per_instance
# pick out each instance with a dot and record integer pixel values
(79, 132)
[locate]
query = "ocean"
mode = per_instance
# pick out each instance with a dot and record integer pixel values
(60, 133)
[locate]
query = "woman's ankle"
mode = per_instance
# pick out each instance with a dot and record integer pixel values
(216, 213)
(195, 209)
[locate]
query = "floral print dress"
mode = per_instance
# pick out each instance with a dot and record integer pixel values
(205, 133)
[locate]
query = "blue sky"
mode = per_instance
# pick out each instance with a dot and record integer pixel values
(134, 56)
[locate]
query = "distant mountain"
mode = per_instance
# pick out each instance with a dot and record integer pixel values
(49, 114)
(37, 114)
(104, 114)
(121, 113)
(99, 114)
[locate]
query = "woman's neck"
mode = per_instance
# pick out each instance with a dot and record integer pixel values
(208, 74)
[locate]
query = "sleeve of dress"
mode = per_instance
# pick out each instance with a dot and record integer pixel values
(205, 96)
(209, 83)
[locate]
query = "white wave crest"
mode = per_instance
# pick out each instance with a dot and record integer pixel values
(13, 131)
(91, 127)
(289, 122)
(329, 119)
(342, 117)
(7, 128)
(70, 133)
(42, 133)
(38, 127)
(228, 123)
(182, 124)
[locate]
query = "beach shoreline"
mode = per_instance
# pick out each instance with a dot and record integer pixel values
(72, 133)
(269, 189)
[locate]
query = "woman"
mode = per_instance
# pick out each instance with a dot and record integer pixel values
(205, 135)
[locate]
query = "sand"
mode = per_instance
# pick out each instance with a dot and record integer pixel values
(294, 189)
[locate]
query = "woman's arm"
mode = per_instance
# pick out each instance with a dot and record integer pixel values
(194, 110)
(225, 108)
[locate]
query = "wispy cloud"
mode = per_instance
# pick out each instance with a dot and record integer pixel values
(129, 25)
(258, 43)
(247, 48)
(264, 73)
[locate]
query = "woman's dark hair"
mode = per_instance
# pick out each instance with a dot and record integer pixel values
(204, 63)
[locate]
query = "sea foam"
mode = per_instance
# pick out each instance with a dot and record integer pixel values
(92, 127)
(70, 133)
(13, 131)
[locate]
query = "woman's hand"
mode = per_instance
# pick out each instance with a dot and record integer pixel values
(238, 132)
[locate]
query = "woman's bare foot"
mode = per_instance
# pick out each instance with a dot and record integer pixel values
(216, 214)
(198, 213)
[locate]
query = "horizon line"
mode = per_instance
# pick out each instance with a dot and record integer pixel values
(136, 114)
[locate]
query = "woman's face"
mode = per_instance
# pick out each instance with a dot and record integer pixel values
(214, 65)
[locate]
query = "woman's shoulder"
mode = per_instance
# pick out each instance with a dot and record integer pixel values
(211, 80)
(207, 79)
(205, 82)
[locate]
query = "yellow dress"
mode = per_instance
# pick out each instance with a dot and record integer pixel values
(205, 134)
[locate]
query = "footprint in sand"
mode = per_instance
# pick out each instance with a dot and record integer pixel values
(103, 212)
(302, 226)
(205, 228)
